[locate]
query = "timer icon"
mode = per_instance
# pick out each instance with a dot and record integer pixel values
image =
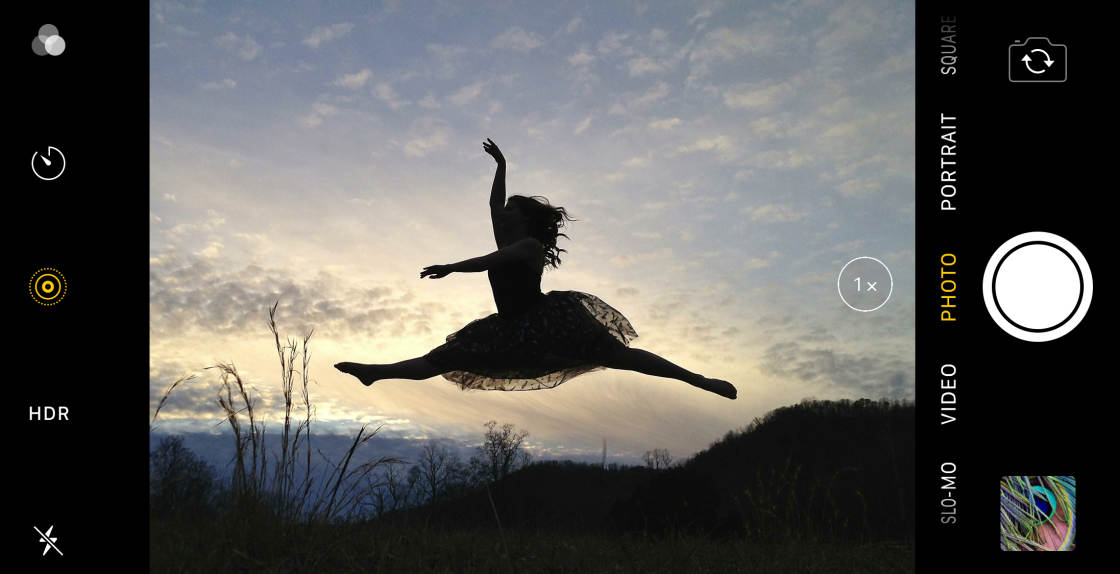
(48, 166)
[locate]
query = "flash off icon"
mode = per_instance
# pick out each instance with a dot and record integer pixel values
(1036, 60)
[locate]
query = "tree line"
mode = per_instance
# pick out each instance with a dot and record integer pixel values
(181, 483)
(440, 473)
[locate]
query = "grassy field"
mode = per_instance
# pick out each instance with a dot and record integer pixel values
(277, 514)
(201, 547)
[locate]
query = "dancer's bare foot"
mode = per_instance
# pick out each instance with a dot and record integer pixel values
(719, 387)
(364, 373)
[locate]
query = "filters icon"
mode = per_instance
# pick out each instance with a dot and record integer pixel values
(48, 42)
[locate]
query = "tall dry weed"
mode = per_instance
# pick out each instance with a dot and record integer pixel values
(280, 488)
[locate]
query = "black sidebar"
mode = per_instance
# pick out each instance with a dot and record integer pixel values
(1013, 303)
(76, 167)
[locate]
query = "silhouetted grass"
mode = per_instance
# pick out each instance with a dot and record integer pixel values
(753, 502)
(269, 496)
(373, 548)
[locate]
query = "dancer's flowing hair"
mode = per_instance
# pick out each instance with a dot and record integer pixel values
(545, 221)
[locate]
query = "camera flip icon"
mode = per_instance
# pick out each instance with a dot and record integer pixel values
(1036, 60)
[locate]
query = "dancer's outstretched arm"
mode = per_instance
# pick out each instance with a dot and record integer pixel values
(528, 249)
(498, 190)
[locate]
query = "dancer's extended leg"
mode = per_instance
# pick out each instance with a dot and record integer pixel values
(649, 363)
(415, 369)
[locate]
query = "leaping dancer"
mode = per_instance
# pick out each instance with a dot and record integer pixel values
(535, 340)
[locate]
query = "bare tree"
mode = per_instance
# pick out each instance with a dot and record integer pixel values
(657, 458)
(501, 452)
(439, 469)
(396, 491)
(179, 481)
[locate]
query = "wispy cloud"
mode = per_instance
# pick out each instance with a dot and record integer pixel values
(518, 40)
(226, 84)
(700, 19)
(582, 126)
(722, 144)
(446, 59)
(724, 44)
(467, 94)
(633, 103)
(664, 124)
(201, 295)
(573, 25)
(774, 213)
(581, 58)
(385, 92)
(243, 47)
(873, 375)
(211, 251)
(612, 42)
(212, 221)
(323, 34)
(646, 257)
(428, 135)
(644, 65)
(757, 97)
(859, 187)
(319, 110)
(355, 80)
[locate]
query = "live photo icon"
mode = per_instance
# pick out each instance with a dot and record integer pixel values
(1036, 60)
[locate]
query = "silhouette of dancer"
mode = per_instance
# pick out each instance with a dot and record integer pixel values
(535, 340)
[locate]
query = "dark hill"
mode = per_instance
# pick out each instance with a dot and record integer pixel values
(818, 470)
(548, 496)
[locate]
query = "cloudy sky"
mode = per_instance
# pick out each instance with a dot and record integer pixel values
(724, 159)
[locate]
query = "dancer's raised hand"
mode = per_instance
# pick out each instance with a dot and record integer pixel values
(436, 271)
(492, 148)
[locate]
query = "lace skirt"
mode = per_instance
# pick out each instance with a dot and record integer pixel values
(566, 334)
